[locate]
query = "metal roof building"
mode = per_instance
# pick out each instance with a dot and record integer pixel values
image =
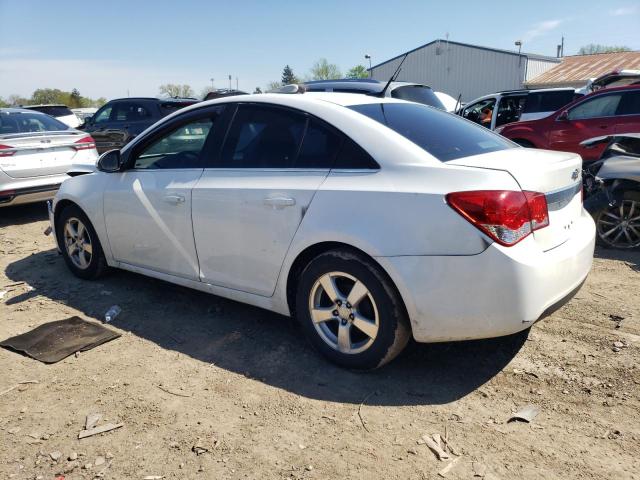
(460, 68)
(576, 70)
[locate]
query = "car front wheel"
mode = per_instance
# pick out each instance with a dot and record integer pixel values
(350, 311)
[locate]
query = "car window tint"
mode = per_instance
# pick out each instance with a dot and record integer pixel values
(24, 122)
(131, 112)
(509, 109)
(630, 103)
(443, 135)
(53, 110)
(352, 156)
(319, 146)
(179, 148)
(548, 101)
(169, 107)
(103, 115)
(263, 137)
(419, 94)
(601, 106)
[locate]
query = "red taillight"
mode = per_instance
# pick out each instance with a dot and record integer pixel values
(506, 216)
(85, 143)
(6, 151)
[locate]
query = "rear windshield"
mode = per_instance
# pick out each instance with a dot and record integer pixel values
(419, 94)
(54, 111)
(23, 122)
(547, 101)
(445, 136)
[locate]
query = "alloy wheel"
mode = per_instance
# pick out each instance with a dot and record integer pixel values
(619, 225)
(344, 312)
(77, 242)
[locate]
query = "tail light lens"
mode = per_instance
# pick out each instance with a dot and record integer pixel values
(6, 151)
(504, 215)
(85, 143)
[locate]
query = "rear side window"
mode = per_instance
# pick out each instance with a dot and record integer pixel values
(131, 112)
(419, 94)
(352, 156)
(630, 103)
(596, 107)
(319, 146)
(445, 136)
(263, 137)
(54, 111)
(547, 101)
(25, 122)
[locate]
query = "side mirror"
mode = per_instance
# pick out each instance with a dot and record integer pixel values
(110, 161)
(563, 117)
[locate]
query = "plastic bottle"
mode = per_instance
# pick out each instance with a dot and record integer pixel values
(112, 313)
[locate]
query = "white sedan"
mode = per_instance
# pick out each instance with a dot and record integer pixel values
(369, 219)
(36, 151)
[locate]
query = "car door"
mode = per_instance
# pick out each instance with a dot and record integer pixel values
(250, 201)
(628, 113)
(147, 206)
(97, 126)
(593, 117)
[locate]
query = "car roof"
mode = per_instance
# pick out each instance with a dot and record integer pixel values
(368, 84)
(45, 105)
(155, 99)
(20, 110)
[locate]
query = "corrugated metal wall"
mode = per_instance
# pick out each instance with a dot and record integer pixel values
(537, 67)
(455, 69)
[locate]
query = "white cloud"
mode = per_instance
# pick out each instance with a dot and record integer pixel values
(618, 12)
(540, 29)
(94, 78)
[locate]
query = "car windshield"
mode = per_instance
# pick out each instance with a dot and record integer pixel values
(445, 136)
(24, 122)
(419, 94)
(53, 110)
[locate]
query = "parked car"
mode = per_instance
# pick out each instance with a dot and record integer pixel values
(119, 121)
(369, 219)
(449, 103)
(36, 151)
(603, 112)
(84, 113)
(612, 190)
(61, 112)
(413, 92)
(493, 111)
(616, 78)
(222, 92)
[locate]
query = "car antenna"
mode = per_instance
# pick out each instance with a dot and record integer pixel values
(393, 77)
(458, 102)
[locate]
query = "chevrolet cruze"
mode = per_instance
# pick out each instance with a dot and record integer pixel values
(371, 220)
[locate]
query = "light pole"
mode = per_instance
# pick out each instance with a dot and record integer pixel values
(230, 86)
(212, 87)
(368, 57)
(519, 45)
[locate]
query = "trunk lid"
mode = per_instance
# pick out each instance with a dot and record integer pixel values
(39, 154)
(556, 174)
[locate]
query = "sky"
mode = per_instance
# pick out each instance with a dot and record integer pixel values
(119, 48)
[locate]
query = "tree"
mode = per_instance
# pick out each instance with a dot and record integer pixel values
(49, 95)
(257, 90)
(175, 90)
(75, 99)
(288, 77)
(597, 48)
(323, 70)
(273, 86)
(15, 99)
(206, 90)
(3, 103)
(359, 71)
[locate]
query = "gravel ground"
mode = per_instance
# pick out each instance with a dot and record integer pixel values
(194, 370)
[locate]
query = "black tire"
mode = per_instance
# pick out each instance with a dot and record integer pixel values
(605, 223)
(382, 303)
(524, 143)
(96, 265)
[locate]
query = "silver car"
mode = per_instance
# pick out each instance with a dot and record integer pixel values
(36, 151)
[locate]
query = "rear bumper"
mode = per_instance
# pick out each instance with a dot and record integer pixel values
(33, 194)
(498, 292)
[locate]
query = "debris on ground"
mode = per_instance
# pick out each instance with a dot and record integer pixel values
(201, 446)
(55, 456)
(24, 382)
(478, 469)
(92, 420)
(107, 427)
(153, 477)
(526, 414)
(616, 318)
(112, 313)
(174, 392)
(435, 447)
(448, 467)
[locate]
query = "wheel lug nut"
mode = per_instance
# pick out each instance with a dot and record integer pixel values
(348, 305)
(343, 322)
(352, 316)
(339, 302)
(335, 313)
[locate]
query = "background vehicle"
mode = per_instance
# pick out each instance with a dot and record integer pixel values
(61, 112)
(84, 113)
(500, 108)
(604, 112)
(413, 92)
(290, 203)
(36, 151)
(221, 93)
(117, 122)
(616, 78)
(450, 104)
(612, 190)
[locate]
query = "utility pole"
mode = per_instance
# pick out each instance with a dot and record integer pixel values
(212, 87)
(230, 86)
(368, 57)
(237, 84)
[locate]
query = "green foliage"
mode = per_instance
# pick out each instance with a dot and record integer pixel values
(359, 71)
(597, 48)
(71, 99)
(288, 77)
(323, 70)
(175, 90)
(4, 103)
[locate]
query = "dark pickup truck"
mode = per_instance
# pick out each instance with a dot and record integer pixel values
(119, 121)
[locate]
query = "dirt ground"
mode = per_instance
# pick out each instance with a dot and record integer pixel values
(193, 369)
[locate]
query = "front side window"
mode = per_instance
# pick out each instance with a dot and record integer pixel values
(601, 106)
(263, 137)
(180, 148)
(131, 112)
(443, 135)
(103, 115)
(481, 112)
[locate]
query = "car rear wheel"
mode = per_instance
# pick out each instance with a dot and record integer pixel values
(618, 226)
(350, 311)
(79, 243)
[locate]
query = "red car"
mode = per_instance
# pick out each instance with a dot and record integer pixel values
(603, 112)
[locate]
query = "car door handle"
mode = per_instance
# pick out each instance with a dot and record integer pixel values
(174, 199)
(279, 202)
